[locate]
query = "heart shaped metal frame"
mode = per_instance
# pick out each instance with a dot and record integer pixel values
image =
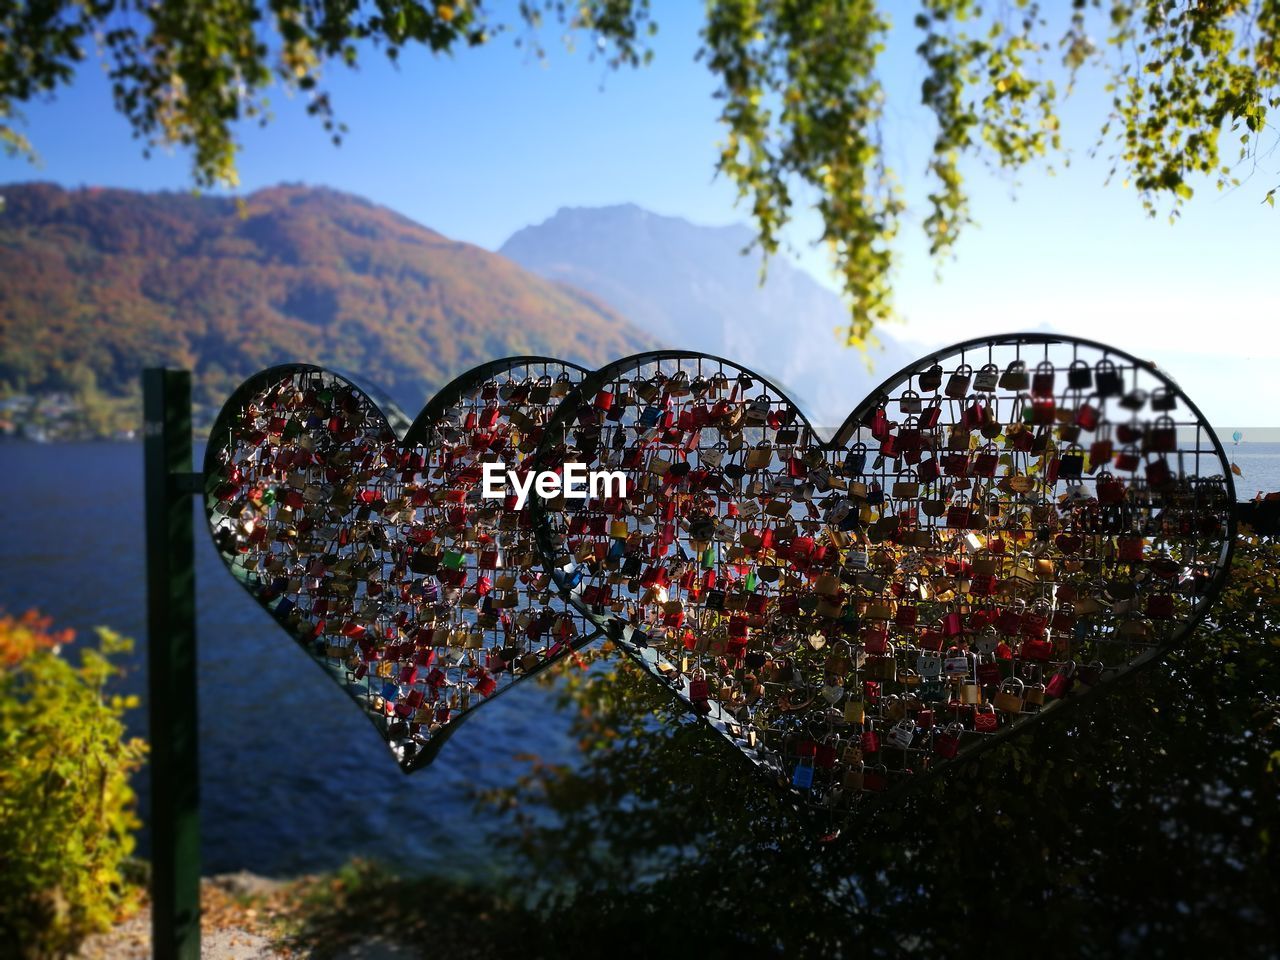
(360, 534)
(856, 612)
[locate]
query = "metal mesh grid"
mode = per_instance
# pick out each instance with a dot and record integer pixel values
(418, 595)
(998, 529)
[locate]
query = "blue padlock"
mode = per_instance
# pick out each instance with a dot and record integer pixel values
(802, 779)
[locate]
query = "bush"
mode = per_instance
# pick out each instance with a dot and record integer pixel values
(66, 807)
(1144, 824)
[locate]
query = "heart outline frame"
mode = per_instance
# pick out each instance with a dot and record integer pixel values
(406, 435)
(635, 643)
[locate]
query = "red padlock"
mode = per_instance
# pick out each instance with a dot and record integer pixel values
(699, 693)
(989, 674)
(1038, 651)
(870, 741)
(985, 719)
(1009, 621)
(875, 640)
(1087, 418)
(946, 743)
(875, 778)
(1060, 683)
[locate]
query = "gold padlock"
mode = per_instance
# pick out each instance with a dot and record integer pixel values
(1009, 697)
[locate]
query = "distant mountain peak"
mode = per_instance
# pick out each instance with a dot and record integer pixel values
(692, 287)
(629, 213)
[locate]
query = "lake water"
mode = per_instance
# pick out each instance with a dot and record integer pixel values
(1259, 465)
(293, 776)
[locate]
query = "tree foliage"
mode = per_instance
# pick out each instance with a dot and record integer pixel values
(800, 83)
(1143, 823)
(66, 806)
(100, 283)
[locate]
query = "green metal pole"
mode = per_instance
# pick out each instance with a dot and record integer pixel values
(171, 665)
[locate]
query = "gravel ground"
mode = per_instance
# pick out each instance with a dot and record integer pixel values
(131, 940)
(237, 923)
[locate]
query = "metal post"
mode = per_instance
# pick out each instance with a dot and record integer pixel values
(171, 664)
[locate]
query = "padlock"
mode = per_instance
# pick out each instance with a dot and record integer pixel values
(884, 667)
(1042, 380)
(946, 742)
(929, 665)
(970, 692)
(893, 707)
(1163, 400)
(988, 673)
(985, 719)
(902, 733)
(757, 412)
(855, 460)
(1134, 400)
(802, 777)
(1070, 466)
(1107, 379)
(1015, 376)
(1079, 375)
(870, 740)
(1060, 683)
(840, 659)
(1009, 698)
(930, 379)
(905, 489)
(699, 692)
(986, 379)
(958, 382)
(929, 470)
(1161, 436)
(760, 456)
(851, 780)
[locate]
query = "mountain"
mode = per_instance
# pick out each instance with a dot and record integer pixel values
(96, 284)
(691, 287)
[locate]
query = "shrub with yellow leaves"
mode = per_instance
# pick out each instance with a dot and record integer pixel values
(67, 811)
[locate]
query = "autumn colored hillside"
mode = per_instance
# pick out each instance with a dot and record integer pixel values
(96, 284)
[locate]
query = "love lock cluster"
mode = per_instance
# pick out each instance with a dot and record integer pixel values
(378, 554)
(997, 529)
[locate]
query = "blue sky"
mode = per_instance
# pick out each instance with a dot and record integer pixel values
(479, 145)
